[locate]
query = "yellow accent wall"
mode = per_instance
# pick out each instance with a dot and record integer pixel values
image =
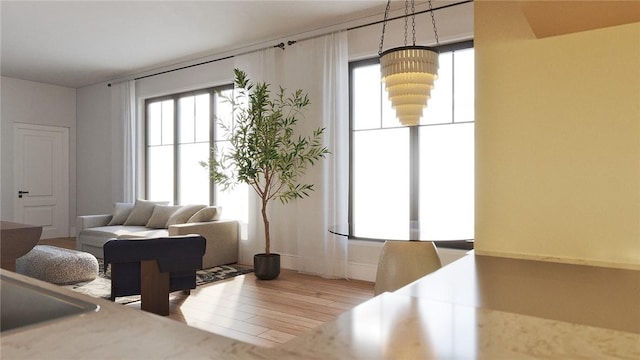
(557, 141)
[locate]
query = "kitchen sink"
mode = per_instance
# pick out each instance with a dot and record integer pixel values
(23, 305)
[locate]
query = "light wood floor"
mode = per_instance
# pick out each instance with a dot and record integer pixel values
(264, 313)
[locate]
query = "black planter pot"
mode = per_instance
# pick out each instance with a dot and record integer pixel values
(266, 267)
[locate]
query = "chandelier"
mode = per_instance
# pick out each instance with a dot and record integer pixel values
(409, 71)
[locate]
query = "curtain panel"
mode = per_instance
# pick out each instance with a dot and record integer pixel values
(123, 141)
(260, 66)
(300, 234)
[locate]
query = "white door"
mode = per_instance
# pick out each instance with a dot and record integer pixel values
(41, 171)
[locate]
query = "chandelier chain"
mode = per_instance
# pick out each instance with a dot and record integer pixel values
(406, 23)
(433, 21)
(384, 26)
(406, 19)
(413, 21)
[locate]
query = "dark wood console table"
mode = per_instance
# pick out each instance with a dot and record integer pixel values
(15, 241)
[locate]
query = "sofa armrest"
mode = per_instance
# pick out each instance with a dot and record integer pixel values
(222, 240)
(91, 221)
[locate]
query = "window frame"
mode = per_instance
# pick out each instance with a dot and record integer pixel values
(213, 92)
(414, 146)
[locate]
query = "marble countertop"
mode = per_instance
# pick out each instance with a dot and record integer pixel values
(116, 331)
(432, 318)
(394, 326)
(492, 308)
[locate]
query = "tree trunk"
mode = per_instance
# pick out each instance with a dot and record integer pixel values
(267, 239)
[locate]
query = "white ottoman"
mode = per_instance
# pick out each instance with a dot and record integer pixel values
(57, 265)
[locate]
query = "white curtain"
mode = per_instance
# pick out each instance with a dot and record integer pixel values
(321, 66)
(123, 138)
(336, 170)
(299, 229)
(260, 66)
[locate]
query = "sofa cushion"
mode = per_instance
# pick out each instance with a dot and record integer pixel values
(148, 233)
(100, 235)
(142, 211)
(160, 216)
(183, 214)
(208, 213)
(121, 212)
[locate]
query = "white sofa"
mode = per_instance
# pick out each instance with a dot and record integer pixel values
(222, 235)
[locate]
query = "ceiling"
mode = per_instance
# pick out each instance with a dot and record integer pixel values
(79, 43)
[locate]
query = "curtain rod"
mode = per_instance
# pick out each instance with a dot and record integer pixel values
(281, 45)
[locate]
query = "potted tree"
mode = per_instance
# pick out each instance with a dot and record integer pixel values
(265, 153)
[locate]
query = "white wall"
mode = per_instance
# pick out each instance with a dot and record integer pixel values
(94, 129)
(34, 103)
(198, 77)
(94, 150)
(558, 170)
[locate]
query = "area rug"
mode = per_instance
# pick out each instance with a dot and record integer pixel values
(101, 286)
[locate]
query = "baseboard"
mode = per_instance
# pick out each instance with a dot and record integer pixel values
(289, 262)
(367, 271)
(558, 259)
(355, 271)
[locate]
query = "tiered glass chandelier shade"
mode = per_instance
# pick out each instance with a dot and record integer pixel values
(408, 73)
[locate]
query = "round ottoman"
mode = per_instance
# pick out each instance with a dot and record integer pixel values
(57, 265)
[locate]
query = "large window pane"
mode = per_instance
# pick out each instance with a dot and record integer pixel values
(177, 140)
(440, 107)
(223, 113)
(186, 119)
(193, 179)
(234, 202)
(167, 122)
(154, 124)
(235, 205)
(160, 173)
(438, 187)
(203, 119)
(464, 92)
(366, 97)
(447, 181)
(389, 118)
(380, 189)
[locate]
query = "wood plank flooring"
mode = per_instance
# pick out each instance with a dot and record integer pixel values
(264, 313)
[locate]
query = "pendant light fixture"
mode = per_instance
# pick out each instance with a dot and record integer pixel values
(409, 71)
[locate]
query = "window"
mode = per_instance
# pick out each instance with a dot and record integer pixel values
(425, 172)
(181, 129)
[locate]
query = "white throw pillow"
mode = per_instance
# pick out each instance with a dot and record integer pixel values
(183, 214)
(209, 213)
(160, 216)
(141, 212)
(121, 212)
